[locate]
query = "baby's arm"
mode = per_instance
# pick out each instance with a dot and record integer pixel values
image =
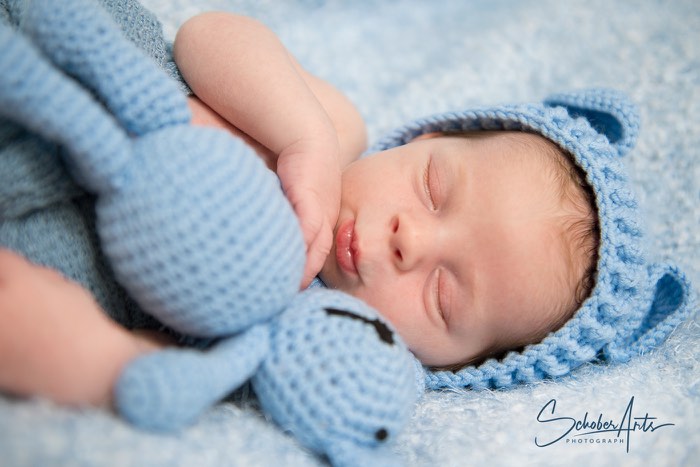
(240, 69)
(55, 341)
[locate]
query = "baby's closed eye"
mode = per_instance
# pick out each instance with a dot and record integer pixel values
(438, 295)
(431, 184)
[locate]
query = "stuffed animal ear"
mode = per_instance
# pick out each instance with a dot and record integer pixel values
(83, 40)
(36, 95)
(608, 111)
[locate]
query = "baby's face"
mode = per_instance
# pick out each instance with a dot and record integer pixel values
(450, 238)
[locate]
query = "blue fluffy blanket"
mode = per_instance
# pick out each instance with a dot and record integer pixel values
(399, 60)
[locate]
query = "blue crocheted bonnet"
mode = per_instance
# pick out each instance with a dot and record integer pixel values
(634, 304)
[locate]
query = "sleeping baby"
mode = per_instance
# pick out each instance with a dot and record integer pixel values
(500, 243)
(427, 232)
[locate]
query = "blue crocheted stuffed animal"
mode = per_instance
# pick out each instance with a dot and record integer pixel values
(199, 232)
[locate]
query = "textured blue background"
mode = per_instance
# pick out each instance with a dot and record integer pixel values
(399, 60)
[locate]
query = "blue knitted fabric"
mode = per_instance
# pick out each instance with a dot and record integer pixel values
(194, 225)
(349, 354)
(635, 303)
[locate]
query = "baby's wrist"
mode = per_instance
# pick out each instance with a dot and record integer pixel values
(319, 148)
(311, 164)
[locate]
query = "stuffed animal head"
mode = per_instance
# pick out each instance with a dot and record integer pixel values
(337, 376)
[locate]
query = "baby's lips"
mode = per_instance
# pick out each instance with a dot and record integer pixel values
(345, 252)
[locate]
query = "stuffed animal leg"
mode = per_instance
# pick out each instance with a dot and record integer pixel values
(195, 226)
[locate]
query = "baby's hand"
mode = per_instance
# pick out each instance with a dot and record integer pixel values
(310, 175)
(55, 341)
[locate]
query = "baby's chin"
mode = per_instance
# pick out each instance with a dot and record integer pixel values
(330, 274)
(331, 281)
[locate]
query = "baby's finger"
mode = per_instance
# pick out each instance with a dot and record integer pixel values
(310, 219)
(316, 255)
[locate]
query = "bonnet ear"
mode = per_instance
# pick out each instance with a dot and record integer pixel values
(671, 303)
(608, 111)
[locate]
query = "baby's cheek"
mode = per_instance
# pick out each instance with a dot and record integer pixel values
(399, 309)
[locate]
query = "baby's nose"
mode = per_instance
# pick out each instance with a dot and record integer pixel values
(409, 242)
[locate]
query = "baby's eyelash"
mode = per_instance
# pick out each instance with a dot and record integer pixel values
(438, 303)
(426, 184)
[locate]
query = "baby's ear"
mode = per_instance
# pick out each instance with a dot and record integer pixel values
(608, 111)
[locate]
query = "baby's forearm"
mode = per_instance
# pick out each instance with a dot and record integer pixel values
(309, 130)
(55, 340)
(241, 70)
(74, 370)
(347, 120)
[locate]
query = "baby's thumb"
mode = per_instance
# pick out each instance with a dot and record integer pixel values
(317, 232)
(316, 254)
